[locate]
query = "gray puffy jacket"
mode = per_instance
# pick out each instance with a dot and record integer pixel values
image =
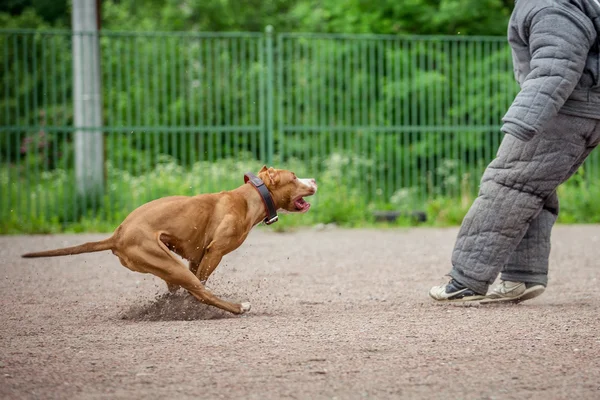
(556, 59)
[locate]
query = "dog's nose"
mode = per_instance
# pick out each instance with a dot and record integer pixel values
(313, 183)
(310, 182)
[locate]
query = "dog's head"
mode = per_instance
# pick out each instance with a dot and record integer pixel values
(287, 189)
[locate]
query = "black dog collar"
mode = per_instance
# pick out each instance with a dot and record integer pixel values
(260, 186)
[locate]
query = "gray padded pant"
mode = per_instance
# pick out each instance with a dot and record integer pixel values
(507, 229)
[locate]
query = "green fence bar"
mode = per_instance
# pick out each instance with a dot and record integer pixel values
(393, 120)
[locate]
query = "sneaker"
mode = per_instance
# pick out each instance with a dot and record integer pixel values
(453, 291)
(513, 292)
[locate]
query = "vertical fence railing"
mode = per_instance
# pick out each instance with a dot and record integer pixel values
(180, 107)
(36, 111)
(182, 114)
(392, 121)
(405, 118)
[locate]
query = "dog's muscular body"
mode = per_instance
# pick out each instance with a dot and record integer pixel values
(201, 229)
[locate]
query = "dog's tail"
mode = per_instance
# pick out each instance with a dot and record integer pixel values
(89, 247)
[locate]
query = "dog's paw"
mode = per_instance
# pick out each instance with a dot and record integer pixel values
(245, 307)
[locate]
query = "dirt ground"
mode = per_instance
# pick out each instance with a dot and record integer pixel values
(335, 314)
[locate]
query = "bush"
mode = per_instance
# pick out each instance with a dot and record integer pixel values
(48, 203)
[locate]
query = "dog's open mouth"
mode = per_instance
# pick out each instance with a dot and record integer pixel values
(301, 204)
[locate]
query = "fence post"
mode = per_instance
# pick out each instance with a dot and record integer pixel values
(270, 105)
(87, 100)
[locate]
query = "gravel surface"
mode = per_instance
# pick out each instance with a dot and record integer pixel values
(335, 314)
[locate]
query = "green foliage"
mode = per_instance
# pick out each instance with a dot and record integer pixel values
(393, 123)
(203, 98)
(579, 199)
(204, 83)
(48, 203)
(52, 12)
(465, 17)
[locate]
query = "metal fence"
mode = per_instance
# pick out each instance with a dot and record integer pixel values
(392, 120)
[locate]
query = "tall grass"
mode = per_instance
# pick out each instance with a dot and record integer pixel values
(48, 203)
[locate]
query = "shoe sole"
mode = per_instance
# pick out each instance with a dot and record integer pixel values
(528, 294)
(461, 300)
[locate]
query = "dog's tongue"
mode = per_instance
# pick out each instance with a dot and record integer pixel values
(301, 204)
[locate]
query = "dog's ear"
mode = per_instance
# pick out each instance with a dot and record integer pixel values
(273, 175)
(269, 175)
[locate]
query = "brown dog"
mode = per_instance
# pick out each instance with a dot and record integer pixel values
(201, 229)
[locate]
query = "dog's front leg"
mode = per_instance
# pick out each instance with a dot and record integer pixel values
(208, 264)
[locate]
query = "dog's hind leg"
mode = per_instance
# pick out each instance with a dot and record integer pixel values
(172, 271)
(178, 274)
(159, 261)
(172, 288)
(194, 267)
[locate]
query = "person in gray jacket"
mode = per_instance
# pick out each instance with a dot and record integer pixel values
(550, 129)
